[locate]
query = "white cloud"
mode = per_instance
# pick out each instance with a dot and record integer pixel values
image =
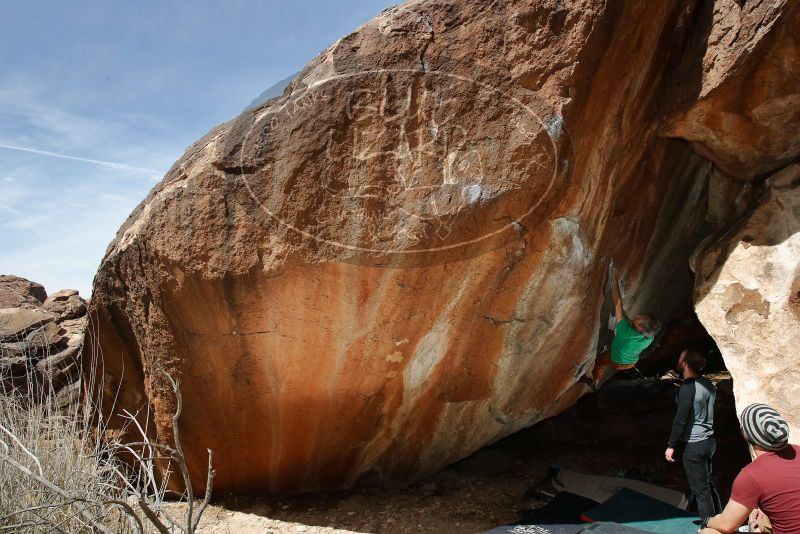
(10, 209)
(112, 164)
(36, 119)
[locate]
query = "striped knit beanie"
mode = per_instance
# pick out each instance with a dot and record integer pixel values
(763, 426)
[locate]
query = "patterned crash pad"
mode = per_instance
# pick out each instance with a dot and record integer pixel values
(600, 489)
(596, 528)
(562, 515)
(591, 504)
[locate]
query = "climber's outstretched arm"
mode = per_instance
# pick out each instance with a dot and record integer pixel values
(616, 296)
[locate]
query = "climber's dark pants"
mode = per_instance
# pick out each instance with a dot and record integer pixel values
(603, 363)
(697, 459)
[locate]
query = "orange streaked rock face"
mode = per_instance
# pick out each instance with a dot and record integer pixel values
(403, 258)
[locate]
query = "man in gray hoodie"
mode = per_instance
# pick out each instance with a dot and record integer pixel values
(693, 432)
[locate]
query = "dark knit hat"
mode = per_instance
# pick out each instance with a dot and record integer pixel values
(763, 426)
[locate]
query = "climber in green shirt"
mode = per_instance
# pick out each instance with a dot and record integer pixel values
(630, 339)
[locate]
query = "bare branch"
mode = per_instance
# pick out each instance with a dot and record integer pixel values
(147, 463)
(207, 498)
(42, 520)
(21, 446)
(18, 526)
(143, 504)
(34, 508)
(144, 443)
(179, 456)
(171, 520)
(130, 513)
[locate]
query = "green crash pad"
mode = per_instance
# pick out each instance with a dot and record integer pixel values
(633, 509)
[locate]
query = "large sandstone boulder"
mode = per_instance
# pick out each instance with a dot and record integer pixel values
(403, 258)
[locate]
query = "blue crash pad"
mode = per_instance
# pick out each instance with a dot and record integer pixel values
(633, 509)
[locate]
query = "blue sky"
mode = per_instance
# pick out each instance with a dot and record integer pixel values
(128, 85)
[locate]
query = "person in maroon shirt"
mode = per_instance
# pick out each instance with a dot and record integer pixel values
(770, 485)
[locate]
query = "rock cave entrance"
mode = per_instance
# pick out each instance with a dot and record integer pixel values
(622, 429)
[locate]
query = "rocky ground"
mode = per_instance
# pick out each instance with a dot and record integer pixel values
(454, 502)
(620, 431)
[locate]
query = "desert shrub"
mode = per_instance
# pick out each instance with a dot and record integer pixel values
(59, 472)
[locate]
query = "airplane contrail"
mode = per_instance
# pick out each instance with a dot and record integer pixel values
(112, 164)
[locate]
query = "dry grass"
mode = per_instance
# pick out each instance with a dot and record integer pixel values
(58, 474)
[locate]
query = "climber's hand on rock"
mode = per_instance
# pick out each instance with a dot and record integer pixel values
(668, 454)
